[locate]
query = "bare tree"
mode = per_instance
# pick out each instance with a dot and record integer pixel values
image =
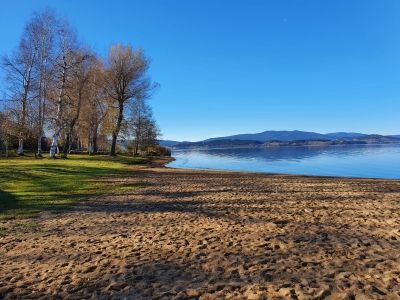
(95, 108)
(30, 74)
(54, 85)
(8, 131)
(20, 75)
(67, 59)
(141, 125)
(126, 79)
(46, 26)
(76, 94)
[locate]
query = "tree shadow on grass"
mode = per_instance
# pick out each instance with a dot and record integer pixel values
(8, 202)
(12, 207)
(29, 190)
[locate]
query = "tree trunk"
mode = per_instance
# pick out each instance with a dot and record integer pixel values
(117, 129)
(22, 127)
(39, 149)
(56, 134)
(33, 149)
(21, 146)
(138, 134)
(56, 137)
(70, 143)
(90, 146)
(94, 139)
(135, 152)
(41, 125)
(66, 146)
(113, 143)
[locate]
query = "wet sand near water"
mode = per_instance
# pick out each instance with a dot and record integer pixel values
(213, 235)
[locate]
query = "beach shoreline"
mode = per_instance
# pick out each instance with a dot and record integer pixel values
(194, 234)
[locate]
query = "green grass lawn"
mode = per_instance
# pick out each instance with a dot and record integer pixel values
(29, 186)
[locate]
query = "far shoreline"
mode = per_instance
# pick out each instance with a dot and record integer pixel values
(283, 146)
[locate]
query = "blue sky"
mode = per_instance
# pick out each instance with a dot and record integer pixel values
(230, 67)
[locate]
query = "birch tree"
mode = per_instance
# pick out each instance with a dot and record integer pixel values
(125, 80)
(67, 59)
(20, 75)
(46, 27)
(30, 74)
(52, 85)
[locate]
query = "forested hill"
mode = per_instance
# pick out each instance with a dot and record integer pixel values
(287, 136)
(282, 138)
(219, 143)
(235, 143)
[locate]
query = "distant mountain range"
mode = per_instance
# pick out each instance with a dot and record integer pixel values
(287, 136)
(283, 138)
(169, 143)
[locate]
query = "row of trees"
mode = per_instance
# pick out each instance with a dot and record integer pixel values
(56, 84)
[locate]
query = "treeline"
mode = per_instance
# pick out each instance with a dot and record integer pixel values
(59, 94)
(312, 143)
(227, 143)
(219, 143)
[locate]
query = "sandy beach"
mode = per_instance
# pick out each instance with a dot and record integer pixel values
(212, 235)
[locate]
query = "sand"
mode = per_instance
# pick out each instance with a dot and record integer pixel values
(213, 235)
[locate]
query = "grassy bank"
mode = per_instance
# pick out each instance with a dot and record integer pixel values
(29, 186)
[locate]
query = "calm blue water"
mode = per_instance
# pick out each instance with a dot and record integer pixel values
(371, 161)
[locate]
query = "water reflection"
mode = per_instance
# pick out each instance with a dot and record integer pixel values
(376, 161)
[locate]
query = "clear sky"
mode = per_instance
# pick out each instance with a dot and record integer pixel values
(229, 67)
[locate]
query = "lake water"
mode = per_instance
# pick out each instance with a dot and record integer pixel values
(370, 161)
